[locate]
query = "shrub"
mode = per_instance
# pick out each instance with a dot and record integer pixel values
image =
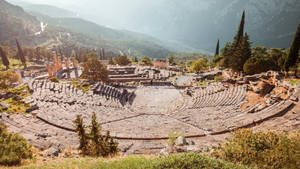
(218, 78)
(94, 144)
(263, 150)
(13, 148)
(178, 161)
(54, 79)
(172, 136)
(7, 78)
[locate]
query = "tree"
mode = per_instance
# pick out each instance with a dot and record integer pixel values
(83, 140)
(238, 37)
(241, 54)
(293, 54)
(111, 61)
(256, 65)
(135, 59)
(122, 60)
(171, 59)
(216, 57)
(225, 55)
(217, 48)
(94, 70)
(199, 65)
(146, 61)
(95, 133)
(4, 58)
(89, 55)
(21, 54)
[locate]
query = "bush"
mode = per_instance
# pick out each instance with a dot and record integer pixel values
(94, 144)
(13, 148)
(7, 78)
(54, 79)
(262, 150)
(178, 161)
(218, 78)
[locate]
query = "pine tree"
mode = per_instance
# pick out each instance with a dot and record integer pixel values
(217, 48)
(4, 58)
(83, 140)
(293, 54)
(21, 54)
(111, 61)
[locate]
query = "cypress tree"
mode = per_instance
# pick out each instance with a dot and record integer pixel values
(293, 54)
(103, 54)
(83, 140)
(238, 37)
(217, 48)
(21, 54)
(95, 133)
(4, 58)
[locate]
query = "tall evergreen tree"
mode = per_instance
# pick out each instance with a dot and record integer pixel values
(238, 37)
(4, 58)
(21, 54)
(95, 134)
(217, 48)
(83, 140)
(293, 54)
(241, 54)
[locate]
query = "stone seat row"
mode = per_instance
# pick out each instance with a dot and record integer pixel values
(231, 96)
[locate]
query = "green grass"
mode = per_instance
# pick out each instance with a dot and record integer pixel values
(15, 63)
(16, 106)
(295, 82)
(84, 86)
(186, 161)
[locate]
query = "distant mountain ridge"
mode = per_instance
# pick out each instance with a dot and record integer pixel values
(73, 31)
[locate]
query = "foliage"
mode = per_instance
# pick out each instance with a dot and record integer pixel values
(80, 129)
(293, 54)
(84, 86)
(111, 61)
(218, 78)
(146, 61)
(171, 59)
(199, 65)
(256, 65)
(240, 53)
(21, 54)
(178, 161)
(295, 82)
(88, 56)
(122, 60)
(7, 78)
(94, 70)
(54, 79)
(16, 103)
(263, 150)
(185, 57)
(13, 148)
(94, 143)
(217, 48)
(172, 136)
(225, 55)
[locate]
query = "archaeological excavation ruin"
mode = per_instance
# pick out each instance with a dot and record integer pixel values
(140, 117)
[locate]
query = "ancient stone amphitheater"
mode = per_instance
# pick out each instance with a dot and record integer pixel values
(141, 121)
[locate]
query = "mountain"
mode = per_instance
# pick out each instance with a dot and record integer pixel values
(270, 23)
(73, 32)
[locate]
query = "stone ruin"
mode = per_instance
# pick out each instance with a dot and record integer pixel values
(141, 118)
